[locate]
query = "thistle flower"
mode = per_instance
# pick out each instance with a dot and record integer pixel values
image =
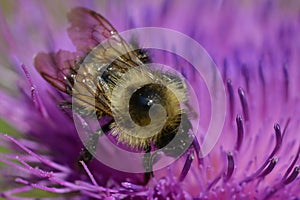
(255, 46)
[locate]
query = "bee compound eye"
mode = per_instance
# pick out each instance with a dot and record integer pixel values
(145, 106)
(147, 111)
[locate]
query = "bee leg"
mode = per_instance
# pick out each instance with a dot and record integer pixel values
(147, 163)
(65, 105)
(90, 147)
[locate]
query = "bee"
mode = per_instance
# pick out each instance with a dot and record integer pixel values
(111, 79)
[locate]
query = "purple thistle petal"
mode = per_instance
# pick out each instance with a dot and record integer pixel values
(240, 132)
(16, 190)
(45, 188)
(89, 173)
(35, 95)
(244, 103)
(47, 162)
(292, 164)
(230, 166)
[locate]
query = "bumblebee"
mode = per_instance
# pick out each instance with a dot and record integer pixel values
(108, 77)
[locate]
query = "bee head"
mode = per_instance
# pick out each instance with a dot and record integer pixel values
(147, 107)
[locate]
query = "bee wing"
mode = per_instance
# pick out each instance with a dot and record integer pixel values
(57, 68)
(89, 29)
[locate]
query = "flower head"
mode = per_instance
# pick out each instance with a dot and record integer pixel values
(255, 47)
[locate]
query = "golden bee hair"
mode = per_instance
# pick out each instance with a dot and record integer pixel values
(131, 126)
